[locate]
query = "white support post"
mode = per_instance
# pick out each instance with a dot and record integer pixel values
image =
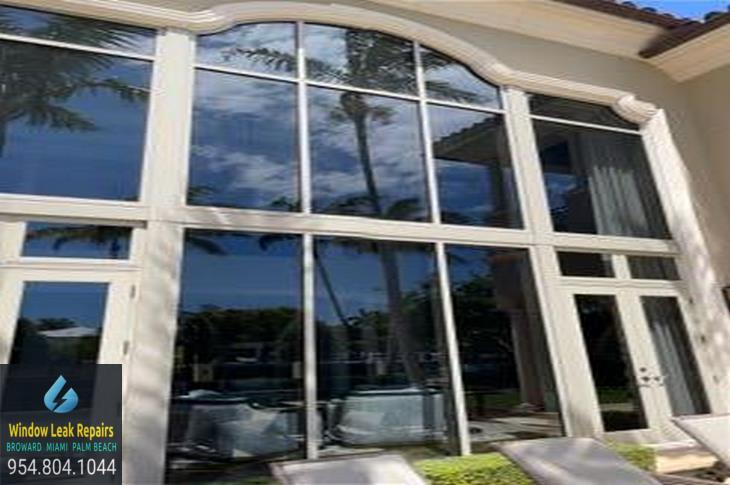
(150, 362)
(702, 279)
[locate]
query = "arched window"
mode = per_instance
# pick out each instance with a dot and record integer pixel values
(372, 112)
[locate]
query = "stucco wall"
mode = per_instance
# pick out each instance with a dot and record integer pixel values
(709, 97)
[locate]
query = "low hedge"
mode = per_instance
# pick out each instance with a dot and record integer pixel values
(495, 469)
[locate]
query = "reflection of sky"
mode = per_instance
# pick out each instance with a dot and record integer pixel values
(82, 303)
(222, 48)
(44, 25)
(394, 145)
(104, 163)
(357, 276)
(246, 276)
(244, 140)
(472, 151)
(459, 78)
(326, 44)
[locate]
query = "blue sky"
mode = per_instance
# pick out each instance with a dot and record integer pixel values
(686, 8)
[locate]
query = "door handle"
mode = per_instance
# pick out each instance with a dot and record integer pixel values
(645, 381)
(660, 379)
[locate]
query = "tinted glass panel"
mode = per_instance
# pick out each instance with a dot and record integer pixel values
(237, 392)
(74, 123)
(450, 80)
(475, 177)
(76, 30)
(76, 241)
(508, 383)
(653, 268)
(577, 111)
(367, 156)
(585, 264)
(598, 182)
(59, 323)
(267, 47)
(381, 355)
(361, 58)
(611, 366)
(244, 151)
(679, 367)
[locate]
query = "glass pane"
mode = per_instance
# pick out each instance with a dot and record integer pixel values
(367, 156)
(577, 111)
(653, 268)
(73, 117)
(505, 366)
(76, 240)
(76, 30)
(237, 390)
(266, 47)
(679, 367)
(450, 80)
(599, 182)
(611, 366)
(475, 176)
(585, 264)
(383, 379)
(59, 323)
(244, 148)
(361, 58)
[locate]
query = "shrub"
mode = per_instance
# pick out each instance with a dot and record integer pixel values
(495, 469)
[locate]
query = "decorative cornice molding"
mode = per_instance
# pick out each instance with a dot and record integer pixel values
(227, 15)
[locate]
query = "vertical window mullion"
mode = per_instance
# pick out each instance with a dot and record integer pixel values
(305, 166)
(452, 349)
(311, 433)
(430, 165)
(528, 171)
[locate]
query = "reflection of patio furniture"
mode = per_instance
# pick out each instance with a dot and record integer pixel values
(387, 416)
(226, 428)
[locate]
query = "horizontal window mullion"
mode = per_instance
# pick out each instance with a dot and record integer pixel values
(585, 125)
(245, 72)
(75, 47)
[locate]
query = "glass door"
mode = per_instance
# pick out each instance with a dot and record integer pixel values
(64, 317)
(677, 381)
(642, 369)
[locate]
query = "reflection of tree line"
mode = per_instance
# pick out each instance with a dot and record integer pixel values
(37, 347)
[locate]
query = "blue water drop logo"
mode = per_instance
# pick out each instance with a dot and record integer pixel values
(64, 405)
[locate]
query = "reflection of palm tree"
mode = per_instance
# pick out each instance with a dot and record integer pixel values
(112, 237)
(371, 56)
(37, 82)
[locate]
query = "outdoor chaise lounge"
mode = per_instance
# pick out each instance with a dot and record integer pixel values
(584, 461)
(711, 430)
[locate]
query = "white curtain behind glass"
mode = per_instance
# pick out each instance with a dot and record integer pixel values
(622, 192)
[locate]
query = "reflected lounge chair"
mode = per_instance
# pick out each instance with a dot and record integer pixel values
(584, 461)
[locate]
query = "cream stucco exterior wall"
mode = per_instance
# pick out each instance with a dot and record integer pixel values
(710, 100)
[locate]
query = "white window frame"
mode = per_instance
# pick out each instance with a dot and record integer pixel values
(160, 216)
